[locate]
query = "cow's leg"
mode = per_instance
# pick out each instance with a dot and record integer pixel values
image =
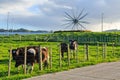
(27, 68)
(18, 69)
(46, 64)
(74, 54)
(62, 54)
(32, 67)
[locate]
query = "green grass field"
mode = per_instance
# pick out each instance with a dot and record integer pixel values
(95, 56)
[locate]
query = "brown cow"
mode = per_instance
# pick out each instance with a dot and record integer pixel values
(32, 56)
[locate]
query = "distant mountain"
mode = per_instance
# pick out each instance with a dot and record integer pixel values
(112, 30)
(23, 30)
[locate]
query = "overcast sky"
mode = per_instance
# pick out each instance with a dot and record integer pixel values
(49, 14)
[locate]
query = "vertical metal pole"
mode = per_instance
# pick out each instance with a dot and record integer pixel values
(102, 22)
(8, 23)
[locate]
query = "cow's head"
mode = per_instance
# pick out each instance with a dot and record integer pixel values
(73, 44)
(13, 53)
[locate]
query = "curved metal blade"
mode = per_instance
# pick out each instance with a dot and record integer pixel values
(69, 15)
(83, 16)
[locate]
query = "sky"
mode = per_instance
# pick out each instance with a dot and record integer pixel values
(50, 14)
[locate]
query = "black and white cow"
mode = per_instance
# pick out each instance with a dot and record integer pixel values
(32, 56)
(72, 46)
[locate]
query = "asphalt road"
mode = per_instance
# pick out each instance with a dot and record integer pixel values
(103, 71)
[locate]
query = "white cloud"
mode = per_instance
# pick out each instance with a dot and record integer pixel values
(51, 12)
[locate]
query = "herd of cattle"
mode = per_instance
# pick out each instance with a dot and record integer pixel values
(33, 54)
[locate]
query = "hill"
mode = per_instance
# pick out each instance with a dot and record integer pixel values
(112, 30)
(23, 30)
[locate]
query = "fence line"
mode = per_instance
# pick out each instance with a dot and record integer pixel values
(99, 48)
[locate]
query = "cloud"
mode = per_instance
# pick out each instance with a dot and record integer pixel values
(49, 14)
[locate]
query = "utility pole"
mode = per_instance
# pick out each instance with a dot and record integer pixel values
(102, 22)
(8, 23)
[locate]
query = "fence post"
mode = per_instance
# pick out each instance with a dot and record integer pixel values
(87, 52)
(25, 60)
(50, 58)
(77, 56)
(104, 51)
(40, 58)
(60, 62)
(9, 65)
(97, 50)
(68, 56)
(113, 49)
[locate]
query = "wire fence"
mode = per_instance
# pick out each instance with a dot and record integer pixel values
(85, 52)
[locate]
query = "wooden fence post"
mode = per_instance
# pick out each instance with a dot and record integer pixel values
(41, 68)
(113, 49)
(104, 50)
(25, 60)
(60, 60)
(40, 58)
(9, 65)
(87, 52)
(77, 56)
(97, 50)
(68, 56)
(50, 58)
